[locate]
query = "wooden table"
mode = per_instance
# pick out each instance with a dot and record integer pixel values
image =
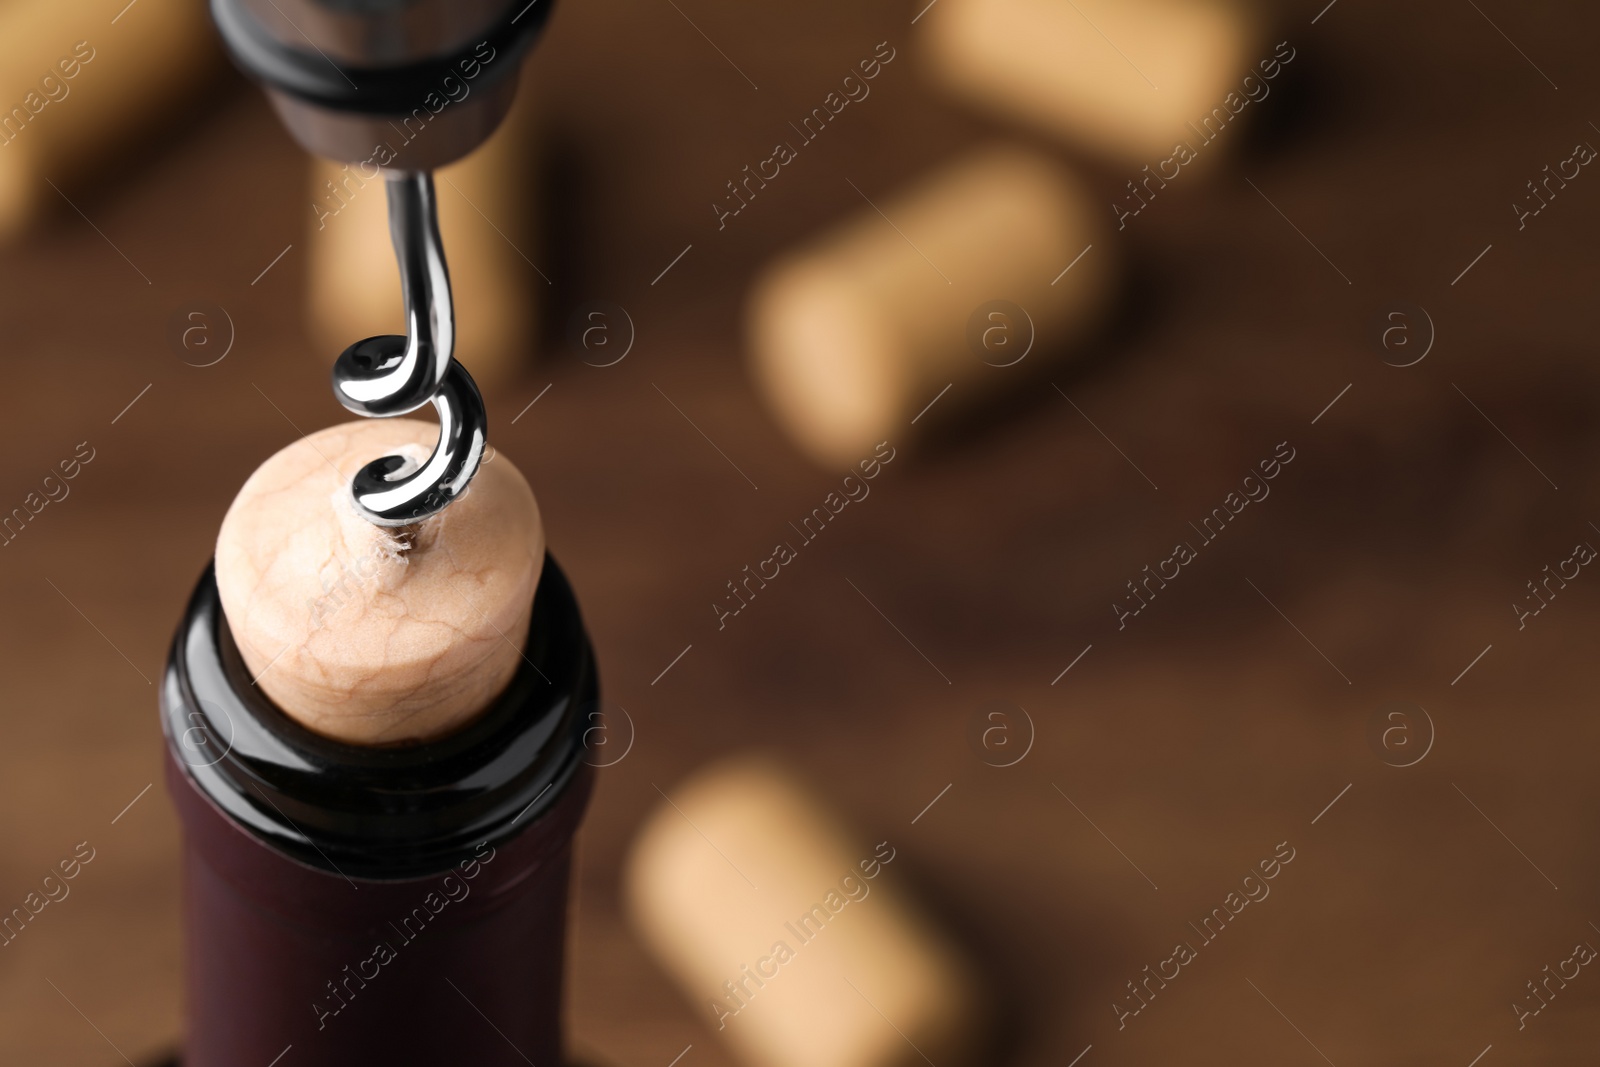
(1171, 756)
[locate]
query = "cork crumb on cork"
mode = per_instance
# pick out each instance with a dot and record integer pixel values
(406, 536)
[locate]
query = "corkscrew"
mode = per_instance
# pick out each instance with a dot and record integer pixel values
(392, 375)
(408, 86)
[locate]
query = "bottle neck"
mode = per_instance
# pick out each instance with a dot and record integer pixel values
(383, 813)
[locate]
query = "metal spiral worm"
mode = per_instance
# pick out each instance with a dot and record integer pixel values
(389, 375)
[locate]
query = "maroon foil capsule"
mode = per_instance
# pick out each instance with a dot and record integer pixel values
(400, 906)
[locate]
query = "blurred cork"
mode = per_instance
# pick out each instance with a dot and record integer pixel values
(80, 82)
(1123, 77)
(791, 936)
(486, 221)
(953, 291)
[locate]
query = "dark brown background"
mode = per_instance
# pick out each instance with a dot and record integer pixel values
(1199, 737)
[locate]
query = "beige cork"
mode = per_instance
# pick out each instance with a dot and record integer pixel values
(82, 81)
(792, 937)
(961, 281)
(352, 633)
(1122, 77)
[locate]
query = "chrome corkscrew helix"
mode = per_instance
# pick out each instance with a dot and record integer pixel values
(389, 375)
